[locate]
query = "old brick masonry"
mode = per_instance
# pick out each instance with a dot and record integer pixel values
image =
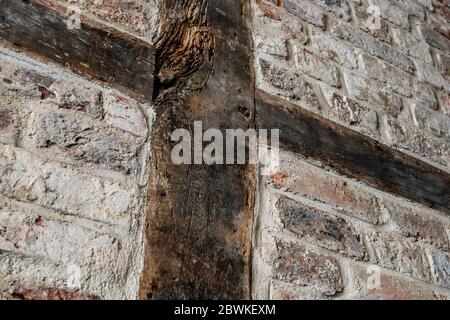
(74, 158)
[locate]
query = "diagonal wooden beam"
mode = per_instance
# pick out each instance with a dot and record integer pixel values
(353, 154)
(40, 27)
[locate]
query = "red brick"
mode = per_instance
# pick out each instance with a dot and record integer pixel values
(320, 228)
(301, 266)
(5, 118)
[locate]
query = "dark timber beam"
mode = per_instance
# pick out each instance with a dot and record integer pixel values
(40, 27)
(199, 224)
(354, 154)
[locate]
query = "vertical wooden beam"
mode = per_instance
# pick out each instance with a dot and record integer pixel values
(199, 225)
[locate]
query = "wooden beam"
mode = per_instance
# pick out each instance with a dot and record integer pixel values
(200, 216)
(354, 154)
(40, 26)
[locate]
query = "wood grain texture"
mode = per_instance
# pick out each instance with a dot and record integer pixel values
(354, 154)
(40, 26)
(199, 224)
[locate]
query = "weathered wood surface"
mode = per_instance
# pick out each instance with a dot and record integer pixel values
(199, 225)
(40, 26)
(354, 154)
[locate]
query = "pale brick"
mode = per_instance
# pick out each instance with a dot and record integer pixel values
(431, 75)
(365, 16)
(305, 10)
(302, 266)
(22, 78)
(51, 294)
(285, 291)
(266, 30)
(426, 3)
(398, 81)
(320, 228)
(82, 139)
(316, 66)
(419, 223)
(391, 287)
(75, 97)
(425, 144)
(412, 8)
(25, 177)
(373, 92)
(298, 177)
(20, 276)
(435, 39)
(8, 132)
(290, 84)
(5, 118)
(24, 230)
(373, 46)
(392, 12)
(350, 113)
(138, 16)
(398, 254)
(441, 264)
(334, 49)
(412, 45)
(46, 90)
(439, 24)
(432, 121)
(444, 102)
(339, 8)
(124, 113)
(443, 63)
(429, 146)
(273, 27)
(18, 271)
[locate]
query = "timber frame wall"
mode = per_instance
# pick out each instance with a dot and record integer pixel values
(200, 219)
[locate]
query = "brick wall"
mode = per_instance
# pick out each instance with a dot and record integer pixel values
(318, 234)
(73, 173)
